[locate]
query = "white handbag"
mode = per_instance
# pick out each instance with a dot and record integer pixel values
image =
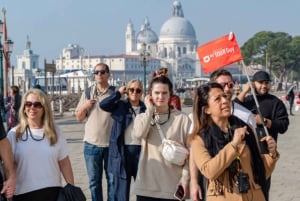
(171, 150)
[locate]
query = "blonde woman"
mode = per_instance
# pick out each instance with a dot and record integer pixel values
(124, 148)
(40, 151)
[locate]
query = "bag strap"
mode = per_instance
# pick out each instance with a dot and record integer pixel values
(162, 136)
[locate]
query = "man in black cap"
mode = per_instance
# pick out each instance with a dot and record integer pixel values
(274, 113)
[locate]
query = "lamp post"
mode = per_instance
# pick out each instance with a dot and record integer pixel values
(8, 47)
(5, 51)
(144, 55)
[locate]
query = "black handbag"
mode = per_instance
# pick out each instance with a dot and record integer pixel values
(71, 193)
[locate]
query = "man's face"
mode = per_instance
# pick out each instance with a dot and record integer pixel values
(226, 83)
(262, 87)
(101, 74)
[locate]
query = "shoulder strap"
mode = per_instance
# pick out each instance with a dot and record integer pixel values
(162, 136)
(112, 88)
(88, 93)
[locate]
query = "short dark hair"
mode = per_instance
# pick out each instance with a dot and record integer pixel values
(104, 65)
(218, 73)
(161, 80)
(15, 89)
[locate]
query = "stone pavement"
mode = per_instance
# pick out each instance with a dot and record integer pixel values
(285, 179)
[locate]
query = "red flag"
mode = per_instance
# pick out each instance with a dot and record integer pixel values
(218, 53)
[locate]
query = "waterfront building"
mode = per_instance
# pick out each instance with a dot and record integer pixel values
(175, 48)
(27, 65)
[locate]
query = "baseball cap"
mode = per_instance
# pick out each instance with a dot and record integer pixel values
(261, 76)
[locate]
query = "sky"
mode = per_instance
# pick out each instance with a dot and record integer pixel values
(99, 25)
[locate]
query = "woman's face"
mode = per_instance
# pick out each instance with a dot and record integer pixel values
(135, 92)
(218, 104)
(160, 95)
(33, 108)
(11, 92)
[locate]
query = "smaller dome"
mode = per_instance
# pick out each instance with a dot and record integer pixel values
(146, 34)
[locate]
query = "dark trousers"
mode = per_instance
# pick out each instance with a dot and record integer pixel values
(122, 185)
(45, 194)
(291, 102)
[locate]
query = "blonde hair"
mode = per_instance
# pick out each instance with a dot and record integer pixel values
(133, 81)
(47, 118)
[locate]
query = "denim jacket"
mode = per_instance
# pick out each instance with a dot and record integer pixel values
(121, 112)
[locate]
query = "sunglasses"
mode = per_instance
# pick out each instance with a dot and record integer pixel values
(229, 84)
(102, 72)
(29, 104)
(132, 90)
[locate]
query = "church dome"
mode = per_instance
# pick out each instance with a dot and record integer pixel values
(146, 34)
(177, 25)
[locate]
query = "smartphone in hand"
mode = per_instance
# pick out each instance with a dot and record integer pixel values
(179, 193)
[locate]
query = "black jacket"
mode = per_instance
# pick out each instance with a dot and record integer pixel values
(271, 108)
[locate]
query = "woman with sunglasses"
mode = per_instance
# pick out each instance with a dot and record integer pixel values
(226, 151)
(40, 151)
(157, 177)
(124, 148)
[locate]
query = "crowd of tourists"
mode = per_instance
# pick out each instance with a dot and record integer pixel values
(225, 150)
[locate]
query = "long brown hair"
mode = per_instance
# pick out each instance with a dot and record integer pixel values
(200, 118)
(47, 118)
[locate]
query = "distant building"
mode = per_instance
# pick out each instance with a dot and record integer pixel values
(174, 48)
(27, 64)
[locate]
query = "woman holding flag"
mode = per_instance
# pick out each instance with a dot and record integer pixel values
(226, 151)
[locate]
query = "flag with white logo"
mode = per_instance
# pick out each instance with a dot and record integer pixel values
(219, 53)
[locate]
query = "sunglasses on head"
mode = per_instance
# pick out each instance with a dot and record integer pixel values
(102, 72)
(29, 104)
(132, 90)
(229, 84)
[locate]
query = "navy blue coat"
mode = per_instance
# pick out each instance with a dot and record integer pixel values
(121, 112)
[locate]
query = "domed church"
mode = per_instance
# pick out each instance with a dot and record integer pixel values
(145, 52)
(175, 47)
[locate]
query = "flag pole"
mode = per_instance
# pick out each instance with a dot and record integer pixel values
(255, 99)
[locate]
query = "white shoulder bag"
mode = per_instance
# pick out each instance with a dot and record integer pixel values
(171, 150)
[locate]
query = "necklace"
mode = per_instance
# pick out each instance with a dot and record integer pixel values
(155, 119)
(28, 130)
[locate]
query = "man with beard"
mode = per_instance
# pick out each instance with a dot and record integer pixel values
(273, 111)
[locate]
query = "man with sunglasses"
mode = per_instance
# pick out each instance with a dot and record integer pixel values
(97, 132)
(224, 78)
(274, 113)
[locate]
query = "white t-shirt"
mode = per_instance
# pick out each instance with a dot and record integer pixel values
(36, 161)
